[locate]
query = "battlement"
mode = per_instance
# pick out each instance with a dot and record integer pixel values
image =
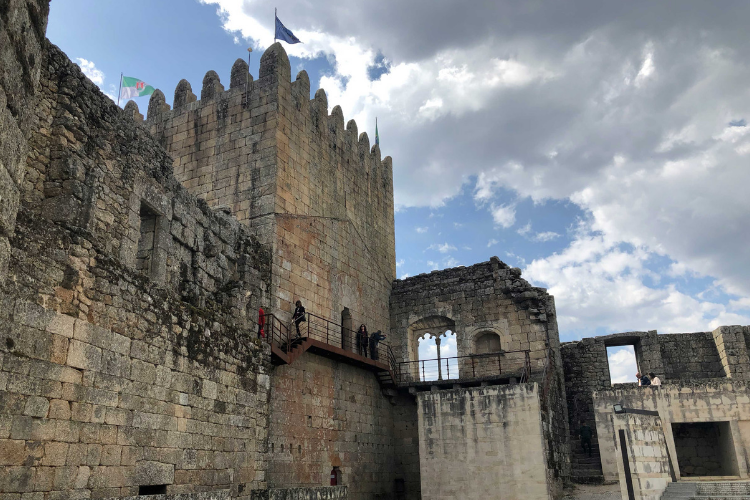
(240, 113)
(302, 179)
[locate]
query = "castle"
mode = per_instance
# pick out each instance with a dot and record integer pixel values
(134, 255)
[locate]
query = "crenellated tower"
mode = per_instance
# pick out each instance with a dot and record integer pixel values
(305, 183)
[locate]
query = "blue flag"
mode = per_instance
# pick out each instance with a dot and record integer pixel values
(283, 33)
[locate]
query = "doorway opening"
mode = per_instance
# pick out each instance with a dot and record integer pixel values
(623, 364)
(705, 449)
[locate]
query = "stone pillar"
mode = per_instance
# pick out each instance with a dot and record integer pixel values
(440, 368)
(730, 342)
(648, 354)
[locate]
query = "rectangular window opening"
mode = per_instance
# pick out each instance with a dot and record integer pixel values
(152, 489)
(705, 449)
(623, 364)
(146, 240)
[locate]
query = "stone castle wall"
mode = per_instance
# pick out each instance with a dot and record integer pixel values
(488, 297)
(482, 442)
(678, 357)
(726, 401)
(280, 163)
(324, 414)
(23, 24)
(127, 355)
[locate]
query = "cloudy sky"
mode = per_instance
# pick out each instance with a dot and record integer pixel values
(603, 147)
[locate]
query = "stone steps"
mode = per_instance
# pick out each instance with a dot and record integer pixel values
(585, 469)
(703, 490)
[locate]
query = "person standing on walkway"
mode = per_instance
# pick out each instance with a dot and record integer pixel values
(655, 381)
(298, 316)
(374, 339)
(261, 322)
(363, 339)
(643, 380)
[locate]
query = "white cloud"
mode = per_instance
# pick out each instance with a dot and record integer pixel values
(546, 236)
(404, 276)
(421, 230)
(400, 263)
(523, 231)
(433, 265)
(450, 262)
(90, 70)
(97, 76)
(598, 284)
(492, 242)
(503, 215)
(622, 364)
(444, 248)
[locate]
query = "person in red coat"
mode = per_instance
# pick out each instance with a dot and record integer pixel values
(261, 323)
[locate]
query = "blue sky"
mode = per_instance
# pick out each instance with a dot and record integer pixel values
(604, 151)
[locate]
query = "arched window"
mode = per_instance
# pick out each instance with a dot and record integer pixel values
(488, 342)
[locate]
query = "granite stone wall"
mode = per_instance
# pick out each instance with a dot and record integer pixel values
(489, 297)
(483, 442)
(648, 458)
(679, 357)
(326, 413)
(23, 24)
(719, 400)
(293, 173)
(115, 375)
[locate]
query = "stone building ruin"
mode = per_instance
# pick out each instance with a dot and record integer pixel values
(135, 253)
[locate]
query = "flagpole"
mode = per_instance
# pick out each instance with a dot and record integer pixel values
(119, 91)
(274, 24)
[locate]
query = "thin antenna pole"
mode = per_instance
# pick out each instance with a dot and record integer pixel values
(275, 15)
(119, 91)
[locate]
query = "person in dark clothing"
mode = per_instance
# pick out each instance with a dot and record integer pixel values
(585, 433)
(261, 322)
(363, 340)
(643, 380)
(298, 316)
(374, 339)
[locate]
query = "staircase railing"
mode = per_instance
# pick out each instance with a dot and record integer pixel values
(471, 366)
(282, 334)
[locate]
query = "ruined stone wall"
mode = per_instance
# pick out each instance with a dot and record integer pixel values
(23, 24)
(483, 442)
(324, 414)
(648, 458)
(314, 190)
(488, 297)
(113, 375)
(673, 357)
(690, 356)
(704, 401)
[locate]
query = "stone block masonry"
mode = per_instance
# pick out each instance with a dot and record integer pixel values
(484, 442)
(325, 414)
(489, 298)
(115, 375)
(306, 185)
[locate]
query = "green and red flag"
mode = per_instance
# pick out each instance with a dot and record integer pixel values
(133, 87)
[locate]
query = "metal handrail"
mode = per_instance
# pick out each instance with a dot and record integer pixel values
(283, 334)
(467, 366)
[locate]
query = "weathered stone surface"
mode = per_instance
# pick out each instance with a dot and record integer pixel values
(484, 442)
(321, 493)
